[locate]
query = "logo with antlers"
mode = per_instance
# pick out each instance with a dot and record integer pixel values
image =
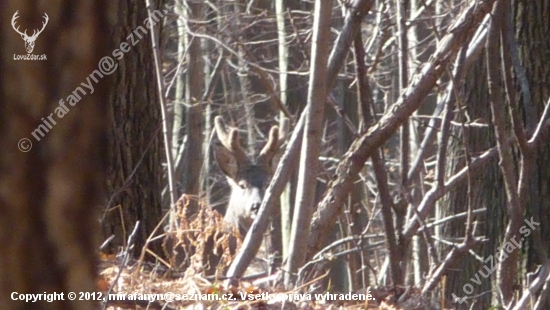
(29, 40)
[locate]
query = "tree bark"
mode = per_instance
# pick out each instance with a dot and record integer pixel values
(286, 207)
(531, 23)
(135, 144)
(194, 118)
(311, 144)
(51, 186)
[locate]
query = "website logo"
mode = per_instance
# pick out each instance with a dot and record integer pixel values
(29, 40)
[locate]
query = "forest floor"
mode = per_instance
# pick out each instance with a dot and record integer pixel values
(151, 287)
(137, 284)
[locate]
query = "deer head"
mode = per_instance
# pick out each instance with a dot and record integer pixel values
(29, 40)
(248, 178)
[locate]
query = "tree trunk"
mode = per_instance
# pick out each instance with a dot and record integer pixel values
(476, 104)
(286, 207)
(530, 25)
(135, 144)
(531, 22)
(51, 186)
(311, 144)
(192, 160)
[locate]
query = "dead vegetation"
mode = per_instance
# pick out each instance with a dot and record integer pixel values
(202, 249)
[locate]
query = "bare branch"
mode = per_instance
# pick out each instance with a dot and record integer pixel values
(354, 160)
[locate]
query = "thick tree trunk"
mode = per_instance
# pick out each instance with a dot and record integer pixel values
(530, 25)
(484, 185)
(135, 144)
(51, 186)
(531, 22)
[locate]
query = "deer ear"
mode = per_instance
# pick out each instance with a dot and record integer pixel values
(225, 160)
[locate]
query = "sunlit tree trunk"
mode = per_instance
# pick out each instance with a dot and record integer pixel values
(476, 104)
(531, 22)
(311, 144)
(286, 217)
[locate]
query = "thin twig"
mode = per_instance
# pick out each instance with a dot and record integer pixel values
(124, 262)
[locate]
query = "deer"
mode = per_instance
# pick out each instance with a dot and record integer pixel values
(248, 177)
(29, 40)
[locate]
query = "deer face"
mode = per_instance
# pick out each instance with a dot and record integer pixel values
(248, 178)
(247, 192)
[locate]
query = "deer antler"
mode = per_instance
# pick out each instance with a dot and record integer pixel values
(13, 25)
(43, 26)
(276, 137)
(230, 140)
(24, 34)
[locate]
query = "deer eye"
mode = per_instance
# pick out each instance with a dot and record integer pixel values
(243, 184)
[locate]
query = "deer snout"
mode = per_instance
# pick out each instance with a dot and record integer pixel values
(255, 207)
(255, 201)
